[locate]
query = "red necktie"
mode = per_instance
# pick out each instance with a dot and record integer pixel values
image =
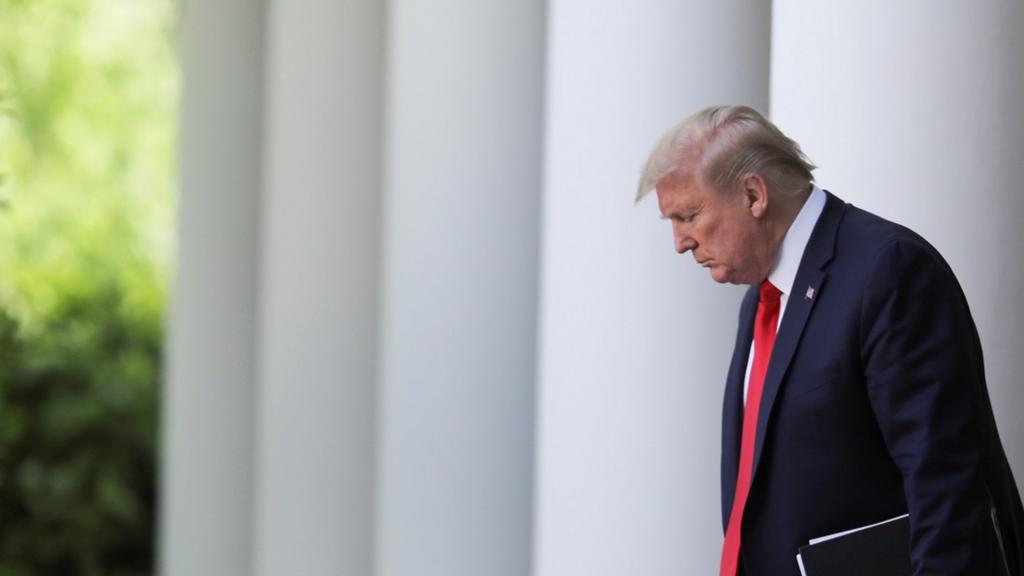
(764, 340)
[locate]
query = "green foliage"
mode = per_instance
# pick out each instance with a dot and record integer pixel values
(88, 116)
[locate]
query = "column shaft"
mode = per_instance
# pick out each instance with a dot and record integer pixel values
(635, 340)
(463, 178)
(207, 412)
(319, 289)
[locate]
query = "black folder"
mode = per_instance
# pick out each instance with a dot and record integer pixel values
(881, 549)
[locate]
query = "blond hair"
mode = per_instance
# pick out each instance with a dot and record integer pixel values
(721, 145)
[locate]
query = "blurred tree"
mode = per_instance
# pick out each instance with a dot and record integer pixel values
(88, 117)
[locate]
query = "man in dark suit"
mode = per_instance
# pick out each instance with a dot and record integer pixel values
(857, 390)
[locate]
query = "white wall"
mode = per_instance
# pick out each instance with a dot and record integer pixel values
(460, 289)
(635, 340)
(913, 111)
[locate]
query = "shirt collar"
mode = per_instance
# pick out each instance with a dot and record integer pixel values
(783, 273)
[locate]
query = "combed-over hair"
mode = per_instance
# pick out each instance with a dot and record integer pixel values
(723, 144)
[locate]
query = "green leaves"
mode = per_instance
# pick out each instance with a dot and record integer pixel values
(88, 121)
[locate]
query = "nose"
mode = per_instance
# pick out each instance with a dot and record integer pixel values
(684, 242)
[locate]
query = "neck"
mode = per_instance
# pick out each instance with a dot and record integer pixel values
(789, 208)
(786, 211)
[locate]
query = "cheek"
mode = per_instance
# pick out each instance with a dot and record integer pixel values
(706, 235)
(724, 247)
(733, 244)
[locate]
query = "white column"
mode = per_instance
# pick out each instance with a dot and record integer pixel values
(458, 344)
(913, 111)
(635, 340)
(269, 416)
(318, 289)
(207, 414)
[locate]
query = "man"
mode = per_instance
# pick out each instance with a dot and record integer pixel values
(856, 391)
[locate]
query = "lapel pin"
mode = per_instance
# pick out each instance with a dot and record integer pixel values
(809, 295)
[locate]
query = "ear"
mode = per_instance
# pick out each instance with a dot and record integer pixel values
(755, 194)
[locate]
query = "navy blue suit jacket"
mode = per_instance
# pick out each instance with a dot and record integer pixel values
(874, 405)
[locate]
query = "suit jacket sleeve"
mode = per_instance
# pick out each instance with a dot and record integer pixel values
(924, 376)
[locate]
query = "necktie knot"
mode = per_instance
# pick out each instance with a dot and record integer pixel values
(769, 293)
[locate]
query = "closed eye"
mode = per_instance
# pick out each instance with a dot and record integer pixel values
(682, 218)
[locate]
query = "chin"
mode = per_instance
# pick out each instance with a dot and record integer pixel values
(721, 276)
(728, 276)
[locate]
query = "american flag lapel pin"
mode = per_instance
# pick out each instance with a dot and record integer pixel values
(809, 295)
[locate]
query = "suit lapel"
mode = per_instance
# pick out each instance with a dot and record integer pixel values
(807, 287)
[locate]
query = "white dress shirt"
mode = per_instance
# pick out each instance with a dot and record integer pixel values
(783, 272)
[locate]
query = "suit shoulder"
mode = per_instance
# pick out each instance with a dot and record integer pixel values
(873, 230)
(872, 235)
(877, 246)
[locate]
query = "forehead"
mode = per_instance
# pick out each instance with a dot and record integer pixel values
(680, 192)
